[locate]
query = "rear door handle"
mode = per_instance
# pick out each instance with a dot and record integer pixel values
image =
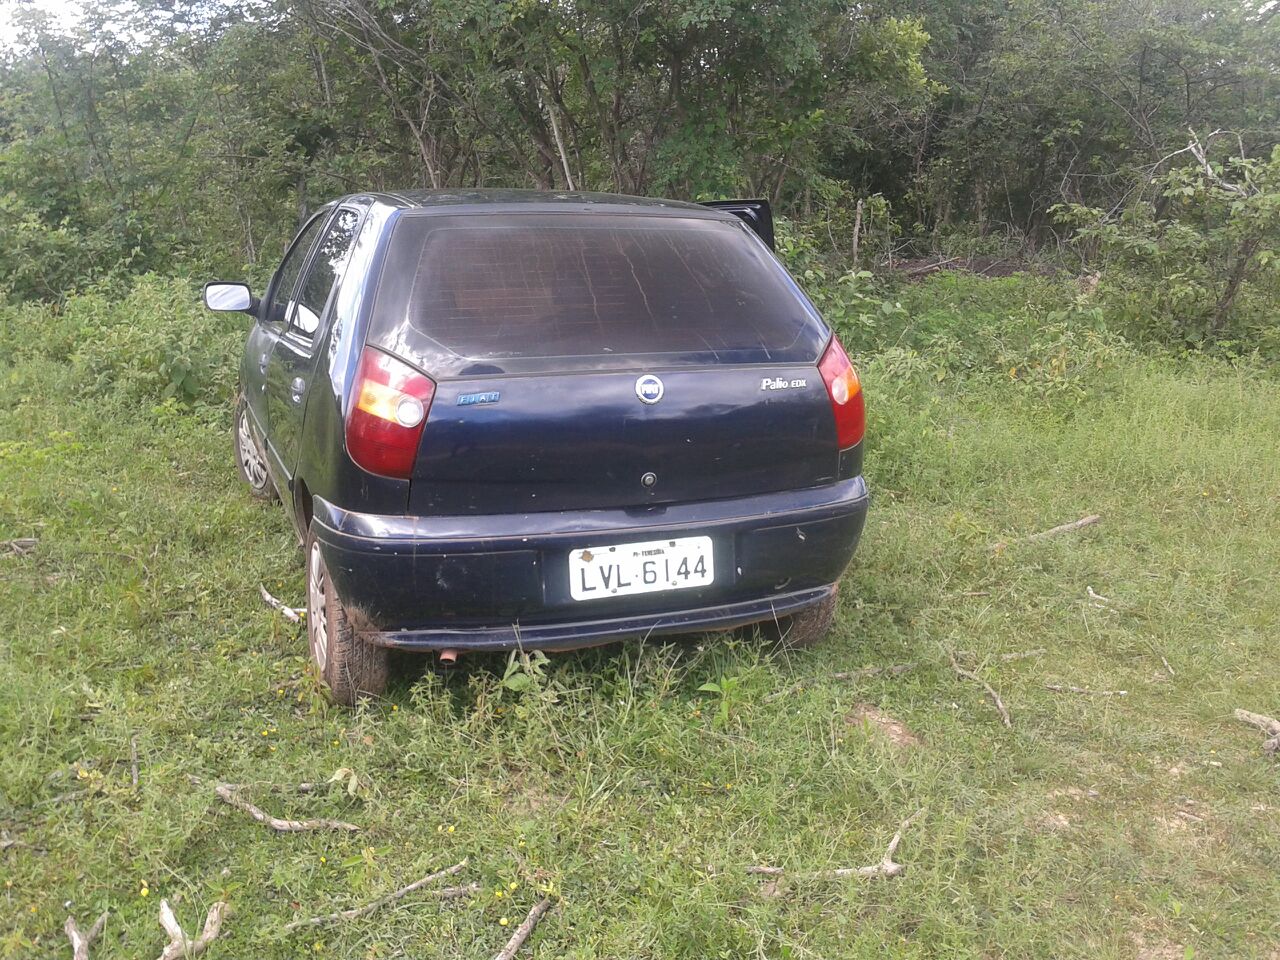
(297, 387)
(262, 362)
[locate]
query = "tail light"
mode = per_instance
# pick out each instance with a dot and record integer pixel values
(390, 408)
(845, 390)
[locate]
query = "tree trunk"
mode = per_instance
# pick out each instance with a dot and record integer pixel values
(1243, 258)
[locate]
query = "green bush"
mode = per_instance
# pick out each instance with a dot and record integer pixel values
(151, 343)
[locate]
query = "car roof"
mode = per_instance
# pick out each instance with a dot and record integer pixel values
(503, 200)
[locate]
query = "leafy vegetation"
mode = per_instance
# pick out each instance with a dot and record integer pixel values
(1118, 158)
(634, 783)
(149, 136)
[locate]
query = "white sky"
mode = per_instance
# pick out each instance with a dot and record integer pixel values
(66, 13)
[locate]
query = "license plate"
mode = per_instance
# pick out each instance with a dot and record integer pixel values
(624, 569)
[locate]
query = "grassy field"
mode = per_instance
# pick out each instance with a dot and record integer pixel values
(1144, 825)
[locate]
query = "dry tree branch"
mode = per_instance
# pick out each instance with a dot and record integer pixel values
(289, 613)
(1071, 527)
(133, 760)
(358, 912)
(180, 946)
(20, 547)
(886, 867)
(1097, 599)
(227, 792)
(80, 942)
(991, 692)
(522, 932)
(1067, 688)
(1268, 725)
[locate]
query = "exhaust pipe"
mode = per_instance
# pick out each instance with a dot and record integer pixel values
(448, 657)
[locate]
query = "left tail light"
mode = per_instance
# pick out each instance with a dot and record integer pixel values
(388, 412)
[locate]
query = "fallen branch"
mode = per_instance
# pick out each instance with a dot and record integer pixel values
(522, 932)
(1097, 599)
(179, 944)
(887, 867)
(289, 613)
(133, 761)
(227, 792)
(1268, 725)
(1053, 532)
(991, 691)
(20, 547)
(80, 942)
(1085, 691)
(928, 267)
(368, 908)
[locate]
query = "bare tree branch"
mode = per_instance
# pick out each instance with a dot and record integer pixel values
(80, 942)
(368, 908)
(886, 867)
(180, 946)
(522, 932)
(227, 792)
(991, 692)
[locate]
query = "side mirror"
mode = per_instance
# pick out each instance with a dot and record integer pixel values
(220, 295)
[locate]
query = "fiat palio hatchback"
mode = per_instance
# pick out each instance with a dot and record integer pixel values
(546, 421)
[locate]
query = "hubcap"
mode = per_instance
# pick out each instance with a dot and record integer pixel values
(254, 468)
(317, 613)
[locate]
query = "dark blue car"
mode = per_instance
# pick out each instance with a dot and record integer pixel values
(547, 421)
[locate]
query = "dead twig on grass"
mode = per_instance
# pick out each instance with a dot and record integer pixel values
(522, 932)
(20, 547)
(180, 945)
(1084, 691)
(991, 691)
(1268, 725)
(1071, 527)
(358, 912)
(289, 613)
(887, 867)
(80, 942)
(133, 760)
(227, 793)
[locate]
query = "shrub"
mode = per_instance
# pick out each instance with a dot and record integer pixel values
(154, 342)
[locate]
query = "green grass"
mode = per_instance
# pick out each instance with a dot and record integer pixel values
(610, 780)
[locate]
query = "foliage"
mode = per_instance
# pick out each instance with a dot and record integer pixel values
(148, 136)
(637, 781)
(154, 343)
(1203, 253)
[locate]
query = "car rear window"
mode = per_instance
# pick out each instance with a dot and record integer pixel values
(498, 289)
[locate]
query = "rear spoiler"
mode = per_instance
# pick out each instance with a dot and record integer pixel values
(756, 214)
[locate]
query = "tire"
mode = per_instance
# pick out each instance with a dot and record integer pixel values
(804, 629)
(251, 462)
(350, 667)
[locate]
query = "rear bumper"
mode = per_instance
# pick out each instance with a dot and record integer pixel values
(496, 582)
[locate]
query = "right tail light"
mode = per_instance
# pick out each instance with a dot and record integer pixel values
(845, 391)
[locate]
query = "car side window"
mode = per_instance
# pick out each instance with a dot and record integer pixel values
(287, 276)
(325, 271)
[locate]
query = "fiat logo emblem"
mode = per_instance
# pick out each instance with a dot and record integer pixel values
(649, 388)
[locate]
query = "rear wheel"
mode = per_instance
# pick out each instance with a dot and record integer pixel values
(804, 629)
(250, 462)
(349, 666)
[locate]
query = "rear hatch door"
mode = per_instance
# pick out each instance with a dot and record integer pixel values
(541, 329)
(588, 441)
